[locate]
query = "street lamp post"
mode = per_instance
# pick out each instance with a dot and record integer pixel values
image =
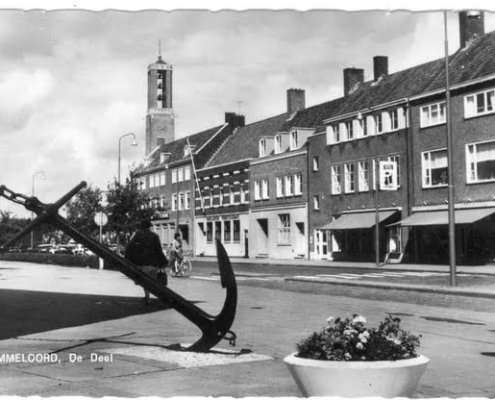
(42, 174)
(134, 143)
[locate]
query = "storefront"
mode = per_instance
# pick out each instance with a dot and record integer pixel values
(230, 229)
(351, 236)
(429, 239)
(279, 233)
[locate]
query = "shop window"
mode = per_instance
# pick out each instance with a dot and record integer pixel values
(336, 179)
(284, 229)
(209, 232)
(434, 168)
(226, 231)
(480, 160)
(218, 230)
(433, 114)
(236, 227)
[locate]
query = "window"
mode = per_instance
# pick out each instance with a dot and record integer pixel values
(231, 196)
(334, 131)
(434, 168)
(236, 230)
(480, 159)
(349, 178)
(188, 201)
(264, 189)
(349, 130)
(174, 202)
(316, 202)
(243, 194)
(336, 179)
(262, 147)
(294, 140)
(209, 232)
(174, 175)
(394, 119)
(220, 196)
(163, 179)
(226, 231)
(378, 123)
(288, 185)
(297, 184)
(362, 129)
(257, 190)
(278, 144)
(316, 163)
(396, 160)
(218, 230)
(180, 174)
(187, 173)
(279, 186)
(363, 176)
(479, 103)
(181, 201)
(162, 202)
(284, 229)
(151, 181)
(433, 114)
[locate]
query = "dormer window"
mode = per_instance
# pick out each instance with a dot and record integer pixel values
(262, 147)
(278, 144)
(294, 140)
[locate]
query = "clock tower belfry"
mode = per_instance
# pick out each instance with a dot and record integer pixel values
(159, 117)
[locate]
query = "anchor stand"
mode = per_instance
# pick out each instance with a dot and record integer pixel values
(213, 328)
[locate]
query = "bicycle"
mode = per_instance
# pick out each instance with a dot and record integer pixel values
(180, 268)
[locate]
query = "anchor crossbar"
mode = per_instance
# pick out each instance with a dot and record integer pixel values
(213, 328)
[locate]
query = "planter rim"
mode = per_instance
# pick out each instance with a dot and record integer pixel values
(293, 359)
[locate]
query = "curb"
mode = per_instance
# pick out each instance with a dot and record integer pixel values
(409, 288)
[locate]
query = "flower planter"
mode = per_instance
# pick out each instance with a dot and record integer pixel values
(356, 378)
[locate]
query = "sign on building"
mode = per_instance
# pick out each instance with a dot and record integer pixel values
(388, 175)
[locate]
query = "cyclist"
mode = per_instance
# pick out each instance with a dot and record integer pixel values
(176, 252)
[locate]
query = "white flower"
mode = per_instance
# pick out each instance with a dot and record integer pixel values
(330, 319)
(359, 346)
(363, 338)
(359, 318)
(347, 356)
(349, 332)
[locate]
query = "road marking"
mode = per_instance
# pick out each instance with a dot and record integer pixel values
(337, 276)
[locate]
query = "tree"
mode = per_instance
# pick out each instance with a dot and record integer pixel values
(126, 207)
(10, 226)
(82, 208)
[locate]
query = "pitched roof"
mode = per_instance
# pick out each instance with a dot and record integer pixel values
(243, 144)
(176, 148)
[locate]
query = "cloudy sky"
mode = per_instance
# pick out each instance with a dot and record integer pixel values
(72, 82)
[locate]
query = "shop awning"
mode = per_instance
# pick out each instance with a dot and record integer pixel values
(462, 216)
(358, 220)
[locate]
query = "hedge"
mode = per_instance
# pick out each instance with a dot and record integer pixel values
(66, 260)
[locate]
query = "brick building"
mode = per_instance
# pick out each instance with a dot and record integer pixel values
(400, 117)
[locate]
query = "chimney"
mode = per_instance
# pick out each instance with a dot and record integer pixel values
(235, 120)
(296, 100)
(353, 77)
(380, 67)
(471, 26)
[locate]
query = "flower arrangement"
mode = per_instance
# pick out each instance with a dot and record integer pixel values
(349, 339)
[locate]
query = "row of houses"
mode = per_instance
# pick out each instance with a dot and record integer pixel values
(303, 184)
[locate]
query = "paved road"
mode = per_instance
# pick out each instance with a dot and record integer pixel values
(83, 311)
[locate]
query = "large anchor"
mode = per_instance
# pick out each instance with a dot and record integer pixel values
(213, 328)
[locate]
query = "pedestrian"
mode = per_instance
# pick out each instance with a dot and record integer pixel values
(145, 250)
(177, 252)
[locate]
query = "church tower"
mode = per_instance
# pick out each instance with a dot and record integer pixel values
(159, 117)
